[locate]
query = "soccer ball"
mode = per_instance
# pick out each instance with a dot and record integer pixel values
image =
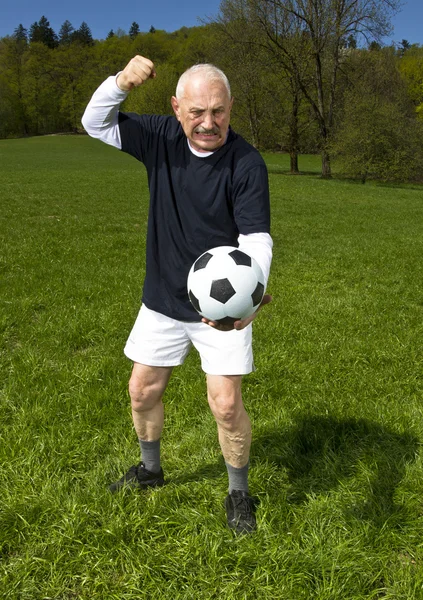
(225, 285)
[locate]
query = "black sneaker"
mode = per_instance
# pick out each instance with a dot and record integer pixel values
(138, 477)
(240, 509)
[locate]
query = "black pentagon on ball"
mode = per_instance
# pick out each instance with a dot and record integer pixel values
(194, 301)
(240, 258)
(222, 290)
(257, 295)
(202, 262)
(227, 321)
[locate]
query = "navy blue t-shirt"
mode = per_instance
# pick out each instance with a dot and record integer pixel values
(195, 203)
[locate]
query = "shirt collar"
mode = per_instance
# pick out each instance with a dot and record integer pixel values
(205, 154)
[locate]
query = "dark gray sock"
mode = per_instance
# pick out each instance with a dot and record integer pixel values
(238, 478)
(150, 455)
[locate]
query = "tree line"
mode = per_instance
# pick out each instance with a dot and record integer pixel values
(307, 77)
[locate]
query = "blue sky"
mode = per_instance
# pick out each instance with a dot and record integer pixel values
(104, 15)
(408, 24)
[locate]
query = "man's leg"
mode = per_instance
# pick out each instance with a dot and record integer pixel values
(234, 431)
(233, 423)
(146, 388)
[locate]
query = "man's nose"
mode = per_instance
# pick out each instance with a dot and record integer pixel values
(208, 121)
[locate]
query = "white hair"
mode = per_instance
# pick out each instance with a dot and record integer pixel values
(208, 71)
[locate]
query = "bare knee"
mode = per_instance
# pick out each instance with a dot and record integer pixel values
(146, 387)
(143, 397)
(225, 401)
(224, 410)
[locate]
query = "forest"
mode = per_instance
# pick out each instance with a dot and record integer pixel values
(307, 77)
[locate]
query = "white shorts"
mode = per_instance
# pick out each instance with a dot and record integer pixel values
(158, 341)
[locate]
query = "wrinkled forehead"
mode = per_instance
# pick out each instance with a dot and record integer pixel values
(205, 89)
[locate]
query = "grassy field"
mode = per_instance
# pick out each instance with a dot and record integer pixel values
(336, 401)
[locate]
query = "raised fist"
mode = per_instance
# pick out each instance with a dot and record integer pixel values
(138, 70)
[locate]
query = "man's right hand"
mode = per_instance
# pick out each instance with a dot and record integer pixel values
(138, 70)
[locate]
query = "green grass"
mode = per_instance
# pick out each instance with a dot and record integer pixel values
(336, 401)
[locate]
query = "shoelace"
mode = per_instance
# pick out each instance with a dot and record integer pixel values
(245, 506)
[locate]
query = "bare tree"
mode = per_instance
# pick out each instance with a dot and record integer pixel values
(304, 34)
(258, 78)
(237, 51)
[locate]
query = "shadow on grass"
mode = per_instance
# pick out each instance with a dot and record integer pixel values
(319, 453)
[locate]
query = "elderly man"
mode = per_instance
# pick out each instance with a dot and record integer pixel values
(208, 187)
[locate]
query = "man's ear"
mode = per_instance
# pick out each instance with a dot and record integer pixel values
(175, 106)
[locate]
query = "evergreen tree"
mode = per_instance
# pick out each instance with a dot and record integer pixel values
(66, 33)
(42, 32)
(83, 35)
(403, 47)
(351, 42)
(20, 34)
(110, 34)
(152, 29)
(134, 30)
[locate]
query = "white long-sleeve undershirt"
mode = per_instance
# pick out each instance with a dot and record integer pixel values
(100, 119)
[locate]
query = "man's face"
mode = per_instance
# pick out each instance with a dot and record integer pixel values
(204, 112)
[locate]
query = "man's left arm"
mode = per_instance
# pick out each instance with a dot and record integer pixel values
(252, 216)
(251, 204)
(260, 247)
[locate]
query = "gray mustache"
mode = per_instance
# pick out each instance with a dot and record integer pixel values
(203, 130)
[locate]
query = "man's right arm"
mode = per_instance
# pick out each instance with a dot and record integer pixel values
(100, 119)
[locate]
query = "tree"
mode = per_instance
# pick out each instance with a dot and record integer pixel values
(411, 67)
(153, 44)
(302, 33)
(379, 135)
(43, 33)
(41, 93)
(351, 42)
(269, 93)
(66, 33)
(72, 73)
(249, 82)
(111, 56)
(21, 34)
(13, 114)
(238, 52)
(154, 97)
(403, 47)
(110, 34)
(83, 35)
(134, 30)
(190, 46)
